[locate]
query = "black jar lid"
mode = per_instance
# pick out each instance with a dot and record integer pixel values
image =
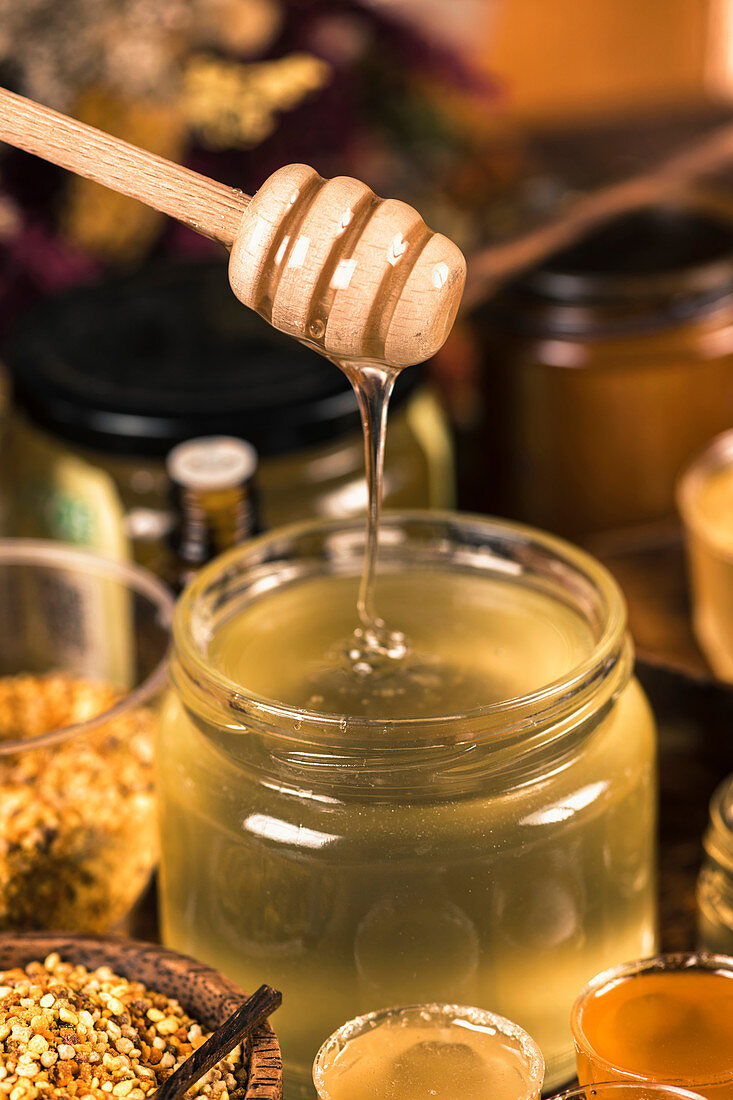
(657, 266)
(137, 365)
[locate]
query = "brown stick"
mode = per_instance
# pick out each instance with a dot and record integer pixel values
(493, 265)
(208, 207)
(227, 1036)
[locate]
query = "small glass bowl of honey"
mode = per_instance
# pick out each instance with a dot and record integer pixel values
(666, 1020)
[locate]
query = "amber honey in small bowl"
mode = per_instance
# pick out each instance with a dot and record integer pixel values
(667, 1019)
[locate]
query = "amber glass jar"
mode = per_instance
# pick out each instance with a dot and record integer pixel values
(109, 378)
(606, 369)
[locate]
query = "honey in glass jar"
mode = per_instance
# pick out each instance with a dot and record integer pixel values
(474, 824)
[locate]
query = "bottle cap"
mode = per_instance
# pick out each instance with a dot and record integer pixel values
(212, 462)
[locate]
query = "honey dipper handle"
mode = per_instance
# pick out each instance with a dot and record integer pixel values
(210, 208)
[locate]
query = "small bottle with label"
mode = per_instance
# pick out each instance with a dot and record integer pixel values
(214, 502)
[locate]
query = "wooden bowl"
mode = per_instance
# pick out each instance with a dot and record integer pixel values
(204, 993)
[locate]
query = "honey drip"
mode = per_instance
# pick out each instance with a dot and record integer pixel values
(373, 642)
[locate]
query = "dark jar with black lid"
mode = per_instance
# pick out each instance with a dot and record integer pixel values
(606, 368)
(107, 379)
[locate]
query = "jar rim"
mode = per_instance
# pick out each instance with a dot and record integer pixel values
(570, 692)
(674, 961)
(48, 553)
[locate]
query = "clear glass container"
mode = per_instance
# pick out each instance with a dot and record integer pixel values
(82, 671)
(667, 1020)
(705, 501)
(498, 857)
(415, 1051)
(715, 884)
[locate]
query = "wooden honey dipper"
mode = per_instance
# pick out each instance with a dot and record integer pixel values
(326, 261)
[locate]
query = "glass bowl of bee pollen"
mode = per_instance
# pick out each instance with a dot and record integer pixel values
(82, 669)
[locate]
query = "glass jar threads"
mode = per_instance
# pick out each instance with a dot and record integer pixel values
(715, 884)
(496, 856)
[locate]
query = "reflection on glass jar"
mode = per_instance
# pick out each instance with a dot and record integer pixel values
(626, 338)
(415, 939)
(371, 860)
(715, 884)
(109, 378)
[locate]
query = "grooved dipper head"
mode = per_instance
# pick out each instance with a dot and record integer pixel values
(359, 277)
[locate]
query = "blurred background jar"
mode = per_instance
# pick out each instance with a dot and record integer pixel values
(705, 500)
(605, 369)
(109, 378)
(715, 884)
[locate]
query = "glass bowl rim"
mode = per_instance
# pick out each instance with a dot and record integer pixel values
(47, 553)
(663, 1088)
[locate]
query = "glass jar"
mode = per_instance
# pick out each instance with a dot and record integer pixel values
(499, 857)
(705, 501)
(109, 378)
(82, 671)
(626, 338)
(715, 884)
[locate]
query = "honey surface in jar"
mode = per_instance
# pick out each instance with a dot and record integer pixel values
(674, 1026)
(470, 644)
